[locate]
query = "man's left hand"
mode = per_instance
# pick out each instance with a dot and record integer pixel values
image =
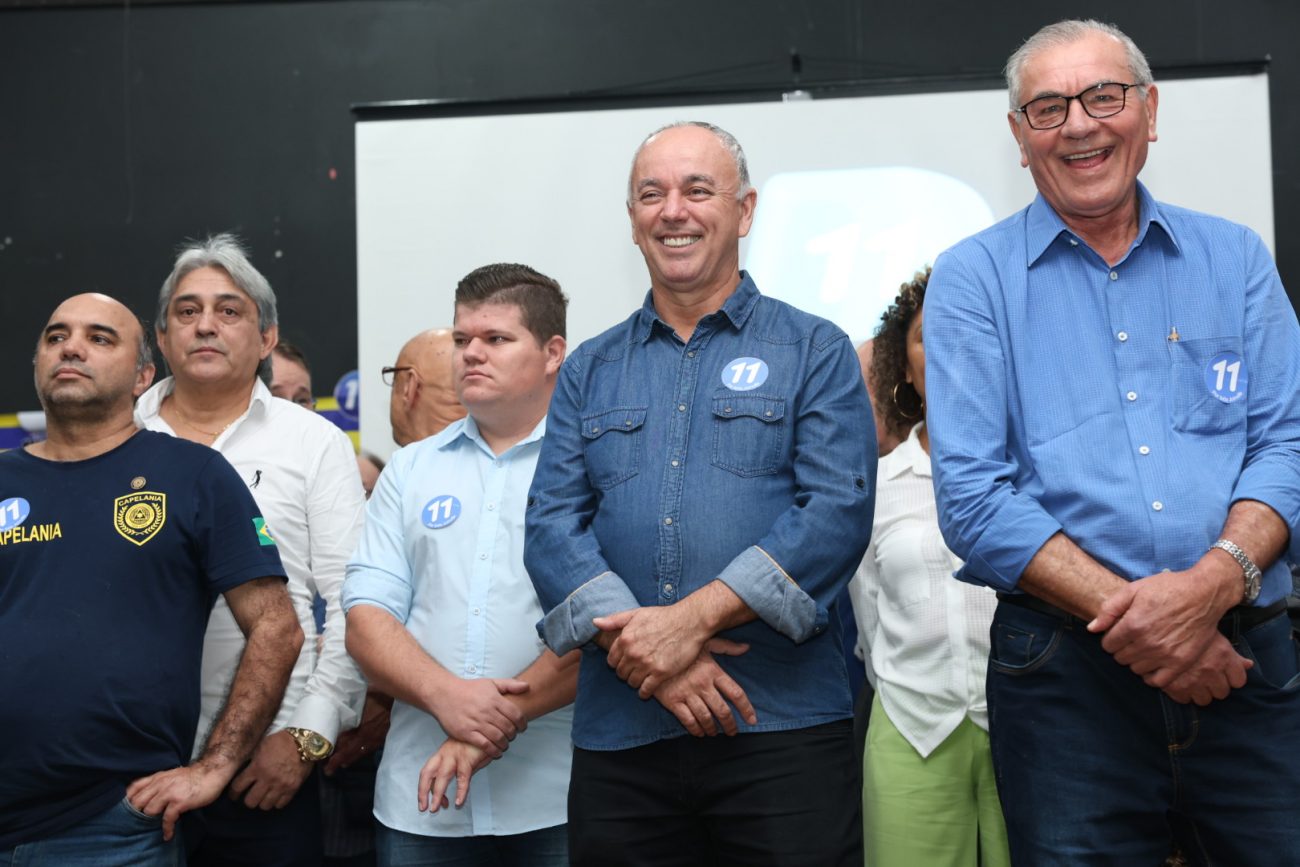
(656, 643)
(1161, 625)
(274, 776)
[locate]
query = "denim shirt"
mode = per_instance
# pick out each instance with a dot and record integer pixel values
(745, 454)
(1128, 406)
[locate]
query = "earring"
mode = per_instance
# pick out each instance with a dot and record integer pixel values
(913, 415)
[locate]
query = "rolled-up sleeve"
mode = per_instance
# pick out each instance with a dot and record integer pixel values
(792, 575)
(1271, 474)
(985, 520)
(379, 573)
(573, 581)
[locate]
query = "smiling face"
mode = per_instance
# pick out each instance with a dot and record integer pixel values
(1086, 168)
(212, 334)
(685, 214)
(86, 360)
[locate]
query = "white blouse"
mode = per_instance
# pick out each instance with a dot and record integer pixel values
(923, 634)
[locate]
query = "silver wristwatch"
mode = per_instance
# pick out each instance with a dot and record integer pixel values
(1253, 575)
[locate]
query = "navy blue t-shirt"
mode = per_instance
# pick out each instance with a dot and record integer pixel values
(109, 568)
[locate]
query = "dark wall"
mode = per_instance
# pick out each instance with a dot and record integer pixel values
(128, 128)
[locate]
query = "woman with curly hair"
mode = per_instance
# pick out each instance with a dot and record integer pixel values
(929, 796)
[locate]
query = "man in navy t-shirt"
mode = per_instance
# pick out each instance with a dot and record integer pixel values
(114, 544)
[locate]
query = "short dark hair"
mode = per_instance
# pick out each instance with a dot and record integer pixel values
(899, 402)
(291, 352)
(540, 300)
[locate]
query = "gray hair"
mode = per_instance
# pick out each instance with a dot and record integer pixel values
(726, 139)
(1064, 33)
(224, 251)
(143, 352)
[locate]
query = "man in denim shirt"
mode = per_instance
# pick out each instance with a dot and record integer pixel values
(1116, 439)
(704, 491)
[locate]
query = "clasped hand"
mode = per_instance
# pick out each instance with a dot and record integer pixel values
(1165, 629)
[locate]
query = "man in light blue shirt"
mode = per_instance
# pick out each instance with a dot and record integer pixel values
(1116, 439)
(441, 613)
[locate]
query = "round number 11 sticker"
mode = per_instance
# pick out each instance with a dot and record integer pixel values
(1225, 376)
(744, 374)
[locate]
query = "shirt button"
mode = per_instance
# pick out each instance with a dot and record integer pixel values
(726, 409)
(476, 612)
(681, 407)
(1073, 242)
(768, 413)
(668, 588)
(1114, 275)
(691, 354)
(1132, 395)
(1123, 336)
(470, 668)
(1144, 450)
(677, 463)
(668, 520)
(627, 422)
(492, 507)
(1157, 505)
(482, 556)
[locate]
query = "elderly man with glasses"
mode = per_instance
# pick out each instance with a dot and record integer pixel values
(424, 396)
(1116, 438)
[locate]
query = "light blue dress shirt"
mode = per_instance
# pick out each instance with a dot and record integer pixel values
(1128, 406)
(442, 552)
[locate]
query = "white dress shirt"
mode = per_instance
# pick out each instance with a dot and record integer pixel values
(443, 553)
(302, 471)
(924, 633)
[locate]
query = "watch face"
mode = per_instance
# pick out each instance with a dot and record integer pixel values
(317, 746)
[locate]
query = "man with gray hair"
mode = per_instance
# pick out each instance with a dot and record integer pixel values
(704, 491)
(217, 328)
(1116, 438)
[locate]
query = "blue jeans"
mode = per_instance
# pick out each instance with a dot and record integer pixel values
(1094, 767)
(120, 837)
(547, 847)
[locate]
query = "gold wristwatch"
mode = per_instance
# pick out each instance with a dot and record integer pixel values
(312, 747)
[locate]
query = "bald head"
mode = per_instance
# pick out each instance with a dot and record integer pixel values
(92, 360)
(424, 397)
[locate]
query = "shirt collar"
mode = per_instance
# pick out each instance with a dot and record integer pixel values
(1043, 225)
(149, 405)
(467, 429)
(738, 307)
(907, 456)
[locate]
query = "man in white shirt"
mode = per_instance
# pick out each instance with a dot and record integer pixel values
(442, 615)
(216, 328)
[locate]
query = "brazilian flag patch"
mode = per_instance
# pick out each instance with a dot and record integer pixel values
(263, 532)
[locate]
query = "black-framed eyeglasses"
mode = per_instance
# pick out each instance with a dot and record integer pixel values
(1101, 100)
(389, 374)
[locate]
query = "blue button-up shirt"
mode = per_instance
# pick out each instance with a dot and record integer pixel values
(745, 454)
(442, 551)
(1126, 406)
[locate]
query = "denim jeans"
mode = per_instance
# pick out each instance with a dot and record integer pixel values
(120, 837)
(546, 847)
(1094, 767)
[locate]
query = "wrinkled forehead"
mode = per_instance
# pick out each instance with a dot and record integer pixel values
(1070, 67)
(91, 310)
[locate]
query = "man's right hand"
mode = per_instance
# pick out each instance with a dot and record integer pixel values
(171, 793)
(478, 712)
(699, 696)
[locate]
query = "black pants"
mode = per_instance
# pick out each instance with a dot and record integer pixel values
(226, 833)
(772, 798)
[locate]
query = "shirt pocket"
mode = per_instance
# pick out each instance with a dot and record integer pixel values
(1198, 374)
(748, 433)
(612, 439)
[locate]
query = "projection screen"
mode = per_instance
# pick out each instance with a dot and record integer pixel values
(854, 195)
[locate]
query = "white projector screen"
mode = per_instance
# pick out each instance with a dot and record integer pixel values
(854, 195)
